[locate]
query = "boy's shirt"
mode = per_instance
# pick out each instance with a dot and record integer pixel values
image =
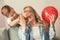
(9, 20)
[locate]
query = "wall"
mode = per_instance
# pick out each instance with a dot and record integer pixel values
(2, 19)
(38, 5)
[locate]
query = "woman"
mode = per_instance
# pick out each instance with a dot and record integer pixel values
(36, 29)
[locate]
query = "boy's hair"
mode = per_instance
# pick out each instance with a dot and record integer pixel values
(8, 9)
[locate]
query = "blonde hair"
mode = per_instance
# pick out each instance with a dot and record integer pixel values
(37, 17)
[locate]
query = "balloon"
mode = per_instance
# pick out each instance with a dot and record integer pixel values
(48, 12)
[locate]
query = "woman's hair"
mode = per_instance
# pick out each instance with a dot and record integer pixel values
(37, 17)
(8, 8)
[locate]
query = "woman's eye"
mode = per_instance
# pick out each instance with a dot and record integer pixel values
(25, 11)
(14, 12)
(30, 11)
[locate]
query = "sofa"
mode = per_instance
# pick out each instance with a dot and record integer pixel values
(10, 34)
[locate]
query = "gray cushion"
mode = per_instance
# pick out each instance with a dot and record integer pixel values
(13, 33)
(3, 34)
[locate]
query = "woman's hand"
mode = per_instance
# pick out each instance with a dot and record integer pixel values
(22, 22)
(52, 20)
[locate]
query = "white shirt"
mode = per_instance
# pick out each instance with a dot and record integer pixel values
(9, 20)
(36, 33)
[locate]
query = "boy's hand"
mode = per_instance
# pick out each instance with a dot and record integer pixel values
(22, 22)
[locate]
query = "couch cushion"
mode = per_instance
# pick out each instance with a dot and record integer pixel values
(3, 34)
(13, 33)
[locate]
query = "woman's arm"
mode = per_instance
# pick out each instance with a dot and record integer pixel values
(52, 28)
(52, 32)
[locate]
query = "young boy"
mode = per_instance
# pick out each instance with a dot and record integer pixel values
(12, 16)
(14, 19)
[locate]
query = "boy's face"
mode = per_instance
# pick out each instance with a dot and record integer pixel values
(4, 11)
(10, 14)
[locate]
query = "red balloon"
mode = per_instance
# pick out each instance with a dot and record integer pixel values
(47, 12)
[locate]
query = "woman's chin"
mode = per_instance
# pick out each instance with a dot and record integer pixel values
(30, 21)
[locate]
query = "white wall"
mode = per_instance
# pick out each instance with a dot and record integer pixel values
(2, 19)
(38, 5)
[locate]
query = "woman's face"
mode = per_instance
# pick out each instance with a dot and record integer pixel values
(28, 14)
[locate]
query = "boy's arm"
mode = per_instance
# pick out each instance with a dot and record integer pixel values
(14, 22)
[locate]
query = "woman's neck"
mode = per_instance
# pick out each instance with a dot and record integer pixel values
(33, 23)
